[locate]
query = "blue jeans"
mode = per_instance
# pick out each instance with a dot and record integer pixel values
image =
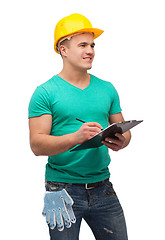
(99, 207)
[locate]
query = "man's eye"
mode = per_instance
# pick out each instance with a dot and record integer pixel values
(82, 45)
(92, 46)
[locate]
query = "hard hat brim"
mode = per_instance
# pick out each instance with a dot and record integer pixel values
(96, 31)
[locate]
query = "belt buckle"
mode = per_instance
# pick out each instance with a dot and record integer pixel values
(88, 188)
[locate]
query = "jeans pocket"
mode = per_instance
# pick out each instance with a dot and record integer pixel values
(109, 189)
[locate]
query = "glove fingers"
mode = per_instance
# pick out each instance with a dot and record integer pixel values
(71, 213)
(59, 220)
(52, 219)
(44, 212)
(58, 210)
(68, 212)
(48, 217)
(68, 224)
(67, 198)
(66, 216)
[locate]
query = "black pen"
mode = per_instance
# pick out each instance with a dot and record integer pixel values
(80, 120)
(83, 121)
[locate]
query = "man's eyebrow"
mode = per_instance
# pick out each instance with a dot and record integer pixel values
(86, 43)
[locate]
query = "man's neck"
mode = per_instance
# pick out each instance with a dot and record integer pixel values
(77, 78)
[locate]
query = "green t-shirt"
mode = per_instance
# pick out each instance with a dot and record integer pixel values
(65, 103)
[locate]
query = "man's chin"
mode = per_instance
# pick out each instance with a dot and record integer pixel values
(89, 67)
(86, 67)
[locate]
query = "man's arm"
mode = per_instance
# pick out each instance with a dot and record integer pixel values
(123, 139)
(43, 144)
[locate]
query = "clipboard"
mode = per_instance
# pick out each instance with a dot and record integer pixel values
(110, 131)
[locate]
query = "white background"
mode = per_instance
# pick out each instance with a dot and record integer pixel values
(130, 54)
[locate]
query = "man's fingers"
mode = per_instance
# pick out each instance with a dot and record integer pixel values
(94, 124)
(119, 141)
(112, 140)
(120, 136)
(87, 131)
(115, 144)
(94, 129)
(112, 146)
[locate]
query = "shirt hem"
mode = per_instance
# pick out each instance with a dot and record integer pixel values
(81, 181)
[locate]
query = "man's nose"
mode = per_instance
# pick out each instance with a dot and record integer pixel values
(89, 50)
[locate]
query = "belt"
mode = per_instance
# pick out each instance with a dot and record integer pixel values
(85, 185)
(90, 185)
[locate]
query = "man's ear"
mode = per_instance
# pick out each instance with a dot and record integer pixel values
(63, 50)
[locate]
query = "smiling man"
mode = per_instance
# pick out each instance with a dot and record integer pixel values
(77, 183)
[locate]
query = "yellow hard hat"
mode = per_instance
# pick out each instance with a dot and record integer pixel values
(74, 23)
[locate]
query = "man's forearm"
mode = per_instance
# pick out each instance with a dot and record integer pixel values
(47, 145)
(44, 144)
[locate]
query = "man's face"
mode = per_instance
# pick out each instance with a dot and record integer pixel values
(80, 53)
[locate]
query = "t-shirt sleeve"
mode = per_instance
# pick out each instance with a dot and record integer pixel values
(115, 106)
(39, 103)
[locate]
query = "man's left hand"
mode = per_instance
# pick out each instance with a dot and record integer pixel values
(115, 144)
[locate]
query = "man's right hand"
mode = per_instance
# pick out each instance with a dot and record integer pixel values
(87, 131)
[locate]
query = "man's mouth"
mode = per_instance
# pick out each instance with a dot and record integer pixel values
(88, 58)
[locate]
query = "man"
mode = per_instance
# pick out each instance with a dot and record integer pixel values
(77, 178)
